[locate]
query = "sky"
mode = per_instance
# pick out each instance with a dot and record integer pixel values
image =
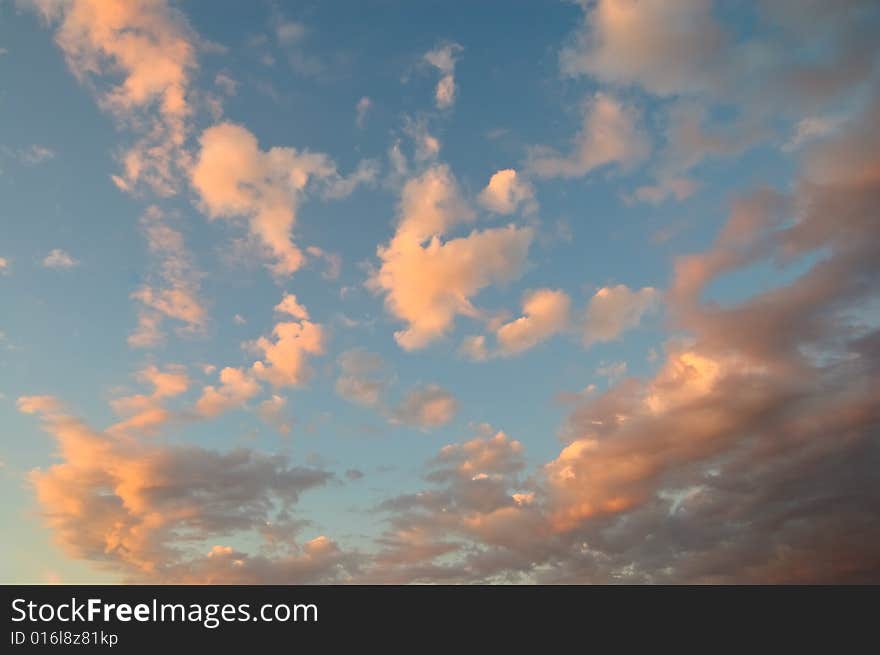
(428, 292)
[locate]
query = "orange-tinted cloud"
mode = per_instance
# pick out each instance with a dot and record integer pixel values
(428, 281)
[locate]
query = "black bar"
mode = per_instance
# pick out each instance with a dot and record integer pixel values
(456, 616)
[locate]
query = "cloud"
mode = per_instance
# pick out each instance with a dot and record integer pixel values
(289, 32)
(363, 378)
(474, 497)
(666, 49)
(684, 50)
(138, 508)
(236, 388)
(810, 129)
(613, 310)
(474, 347)
(427, 146)
(443, 58)
(425, 407)
(506, 192)
(613, 371)
(545, 313)
(173, 291)
(611, 134)
(272, 411)
(285, 356)
(428, 281)
(146, 413)
(59, 260)
(36, 154)
(143, 54)
(748, 457)
(691, 138)
(228, 85)
(361, 109)
(4, 265)
(234, 178)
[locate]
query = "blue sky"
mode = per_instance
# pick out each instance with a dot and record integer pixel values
(558, 164)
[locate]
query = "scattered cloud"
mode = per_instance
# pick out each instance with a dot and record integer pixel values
(59, 260)
(426, 407)
(545, 313)
(234, 178)
(362, 108)
(150, 46)
(444, 58)
(613, 310)
(35, 155)
(506, 192)
(138, 507)
(428, 281)
(611, 134)
(172, 292)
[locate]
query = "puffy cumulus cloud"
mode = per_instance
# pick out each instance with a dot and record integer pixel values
(428, 406)
(236, 387)
(141, 509)
(142, 55)
(613, 310)
(611, 134)
(291, 307)
(234, 178)
(147, 412)
(545, 313)
(428, 281)
(749, 456)
(443, 58)
(430, 204)
(285, 355)
(363, 378)
(428, 285)
(507, 191)
(173, 291)
(59, 260)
